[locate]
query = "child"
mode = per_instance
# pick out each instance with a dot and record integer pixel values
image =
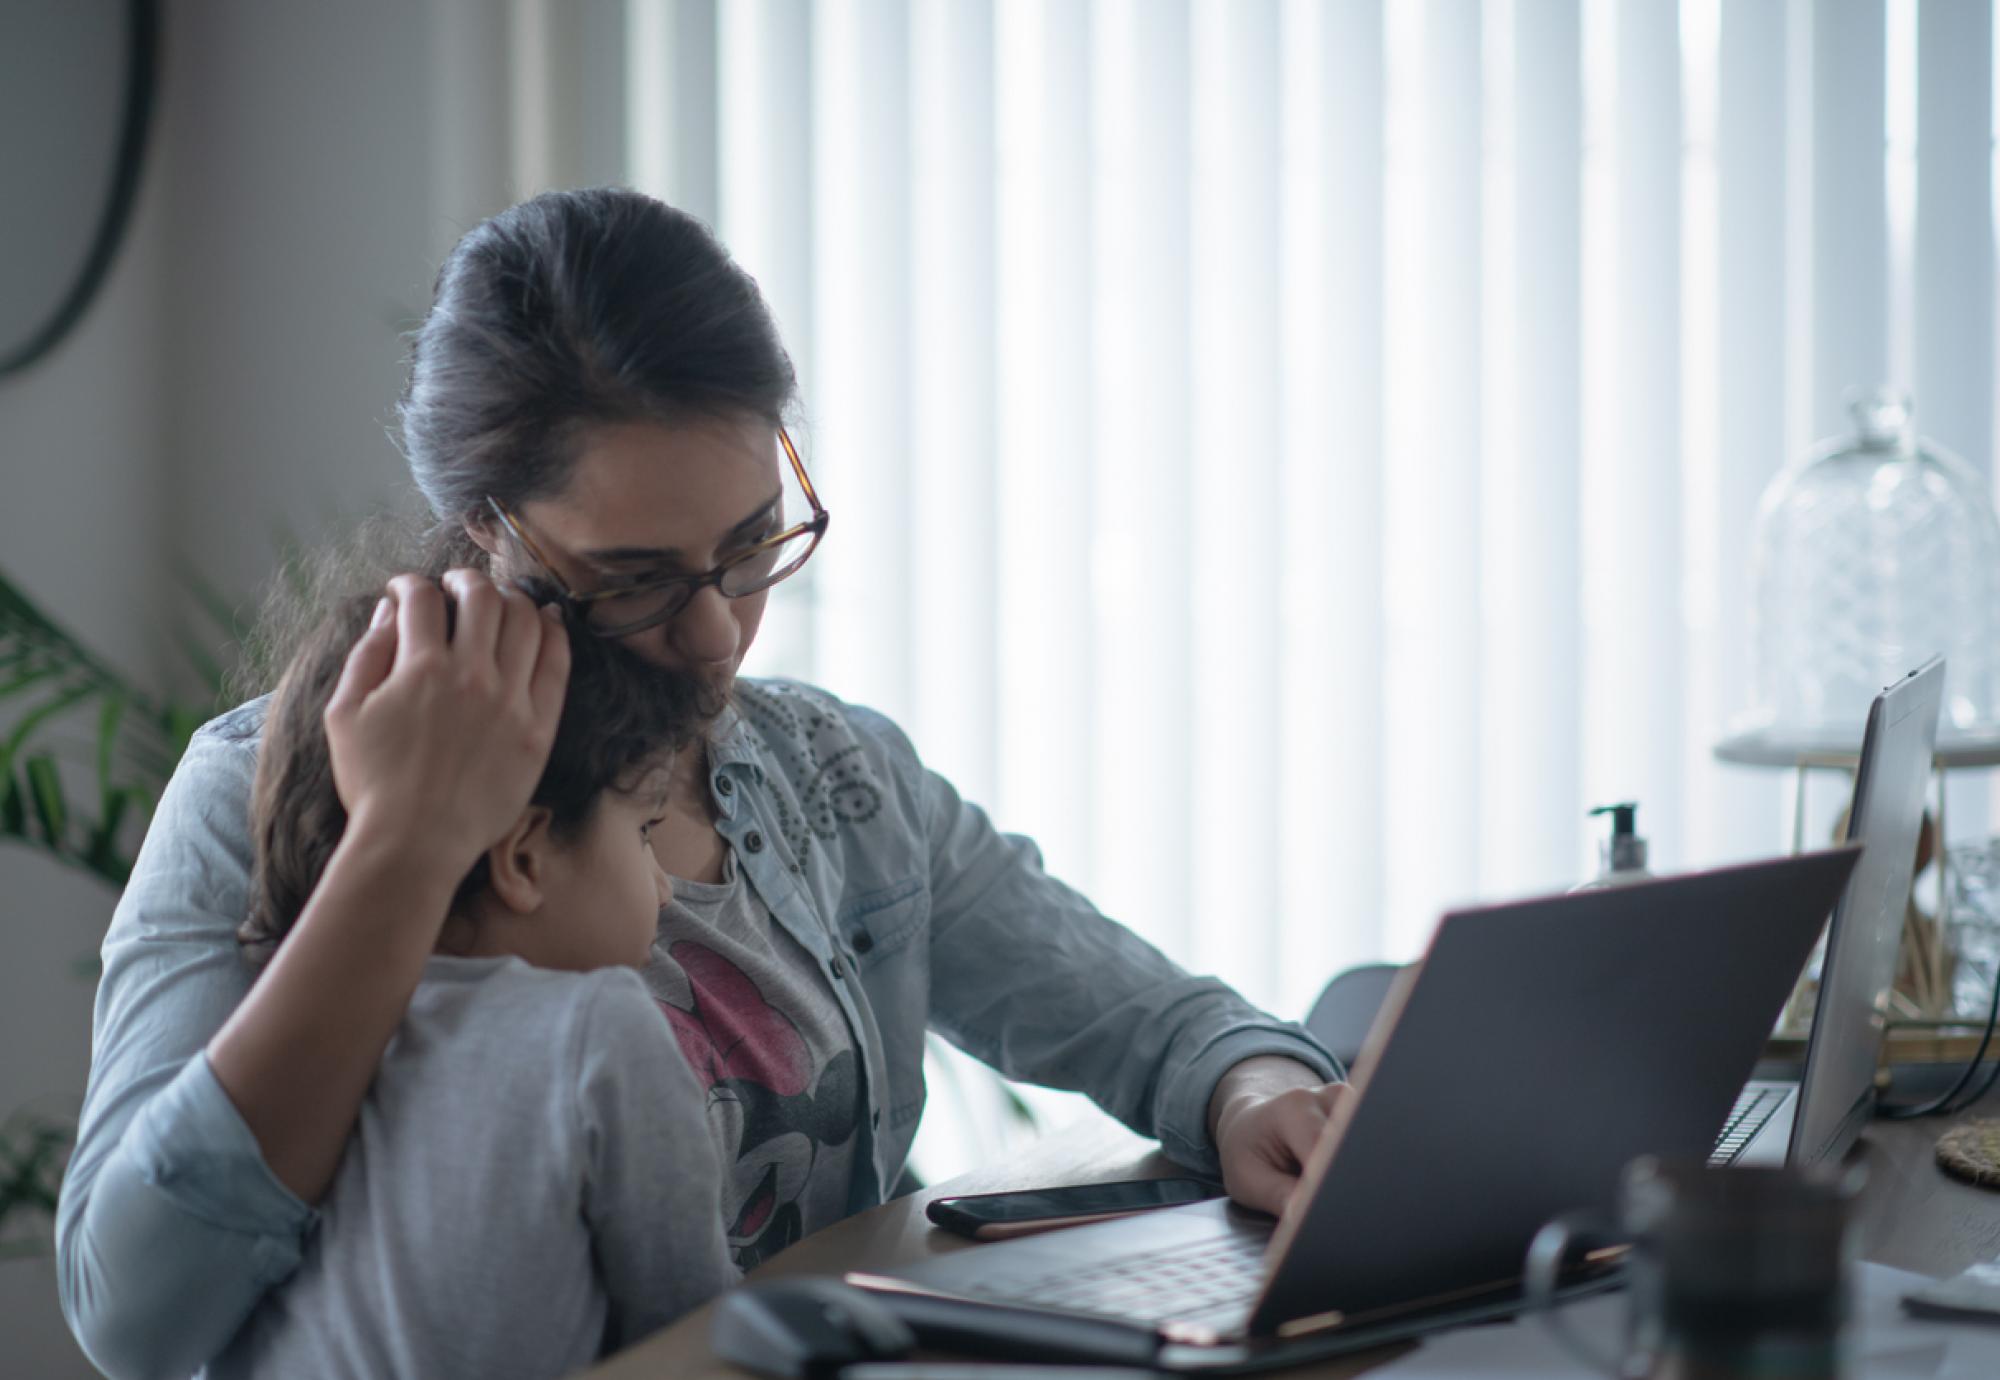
(530, 1183)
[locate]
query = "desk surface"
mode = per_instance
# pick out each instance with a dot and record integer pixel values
(1912, 1216)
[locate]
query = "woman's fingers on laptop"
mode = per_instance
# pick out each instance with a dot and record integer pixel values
(1267, 1143)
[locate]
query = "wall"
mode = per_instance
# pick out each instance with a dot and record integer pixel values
(300, 249)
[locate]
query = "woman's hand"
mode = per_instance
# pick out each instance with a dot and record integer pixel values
(1265, 1117)
(441, 738)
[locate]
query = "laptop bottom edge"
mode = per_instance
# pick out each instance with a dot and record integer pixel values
(1256, 1355)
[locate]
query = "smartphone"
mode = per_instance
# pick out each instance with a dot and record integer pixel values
(996, 1216)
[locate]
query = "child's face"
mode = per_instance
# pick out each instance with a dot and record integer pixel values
(604, 889)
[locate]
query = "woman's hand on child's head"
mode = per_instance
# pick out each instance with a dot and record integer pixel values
(438, 739)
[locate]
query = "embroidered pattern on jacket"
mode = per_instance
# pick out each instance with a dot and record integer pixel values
(835, 786)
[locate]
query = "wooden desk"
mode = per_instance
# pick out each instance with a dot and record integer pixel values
(1913, 1216)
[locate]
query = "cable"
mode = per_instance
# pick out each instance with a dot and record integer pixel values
(1943, 1103)
(1992, 1076)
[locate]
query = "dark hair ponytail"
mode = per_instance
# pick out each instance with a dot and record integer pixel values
(600, 305)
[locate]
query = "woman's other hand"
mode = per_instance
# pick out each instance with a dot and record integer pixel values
(1266, 1115)
(443, 736)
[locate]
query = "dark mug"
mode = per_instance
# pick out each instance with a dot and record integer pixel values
(1732, 1272)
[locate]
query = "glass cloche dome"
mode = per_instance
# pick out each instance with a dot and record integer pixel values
(1876, 552)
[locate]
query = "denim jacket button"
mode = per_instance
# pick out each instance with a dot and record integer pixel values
(863, 941)
(839, 968)
(724, 786)
(754, 841)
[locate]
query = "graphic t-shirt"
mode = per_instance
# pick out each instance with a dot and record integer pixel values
(758, 1023)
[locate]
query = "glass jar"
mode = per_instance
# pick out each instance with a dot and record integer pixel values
(1973, 932)
(1876, 552)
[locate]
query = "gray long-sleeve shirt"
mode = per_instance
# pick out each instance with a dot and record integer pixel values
(171, 1227)
(530, 1183)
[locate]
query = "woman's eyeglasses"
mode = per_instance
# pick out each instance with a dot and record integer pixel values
(622, 609)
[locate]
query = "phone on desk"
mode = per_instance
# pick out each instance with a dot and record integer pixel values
(996, 1216)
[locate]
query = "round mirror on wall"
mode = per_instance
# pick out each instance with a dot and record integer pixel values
(76, 95)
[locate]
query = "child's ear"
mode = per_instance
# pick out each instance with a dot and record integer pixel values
(517, 866)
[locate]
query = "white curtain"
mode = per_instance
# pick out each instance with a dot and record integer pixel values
(1293, 457)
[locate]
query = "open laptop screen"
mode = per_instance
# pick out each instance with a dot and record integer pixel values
(1836, 1095)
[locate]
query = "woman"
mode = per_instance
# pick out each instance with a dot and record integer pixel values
(597, 398)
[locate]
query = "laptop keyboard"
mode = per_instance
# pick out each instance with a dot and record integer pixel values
(1190, 1283)
(1216, 1278)
(1754, 1107)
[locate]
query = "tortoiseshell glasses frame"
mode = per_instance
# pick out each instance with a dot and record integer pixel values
(619, 610)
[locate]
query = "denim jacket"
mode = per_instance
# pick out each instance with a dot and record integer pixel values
(171, 1226)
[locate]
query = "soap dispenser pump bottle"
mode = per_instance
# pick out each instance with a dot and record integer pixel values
(1622, 857)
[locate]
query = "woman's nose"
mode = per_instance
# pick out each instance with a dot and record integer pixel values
(706, 630)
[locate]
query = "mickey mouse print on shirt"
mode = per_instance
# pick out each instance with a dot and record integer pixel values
(782, 1113)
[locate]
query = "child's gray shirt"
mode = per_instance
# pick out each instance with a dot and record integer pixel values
(531, 1183)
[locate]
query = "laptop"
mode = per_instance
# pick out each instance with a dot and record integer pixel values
(1535, 1049)
(1818, 1117)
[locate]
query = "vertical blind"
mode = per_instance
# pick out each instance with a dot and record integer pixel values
(1293, 457)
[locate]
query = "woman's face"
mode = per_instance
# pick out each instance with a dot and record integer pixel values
(648, 498)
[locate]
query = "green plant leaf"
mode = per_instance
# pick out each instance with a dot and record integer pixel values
(107, 737)
(101, 854)
(51, 676)
(17, 608)
(26, 673)
(13, 814)
(181, 723)
(45, 789)
(22, 622)
(36, 717)
(47, 673)
(121, 744)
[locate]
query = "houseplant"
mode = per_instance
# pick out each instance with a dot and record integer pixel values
(84, 755)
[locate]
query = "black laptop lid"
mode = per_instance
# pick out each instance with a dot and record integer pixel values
(1537, 1048)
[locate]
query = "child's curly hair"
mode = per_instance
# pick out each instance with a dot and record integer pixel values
(621, 716)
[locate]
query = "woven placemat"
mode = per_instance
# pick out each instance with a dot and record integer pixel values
(1971, 1151)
